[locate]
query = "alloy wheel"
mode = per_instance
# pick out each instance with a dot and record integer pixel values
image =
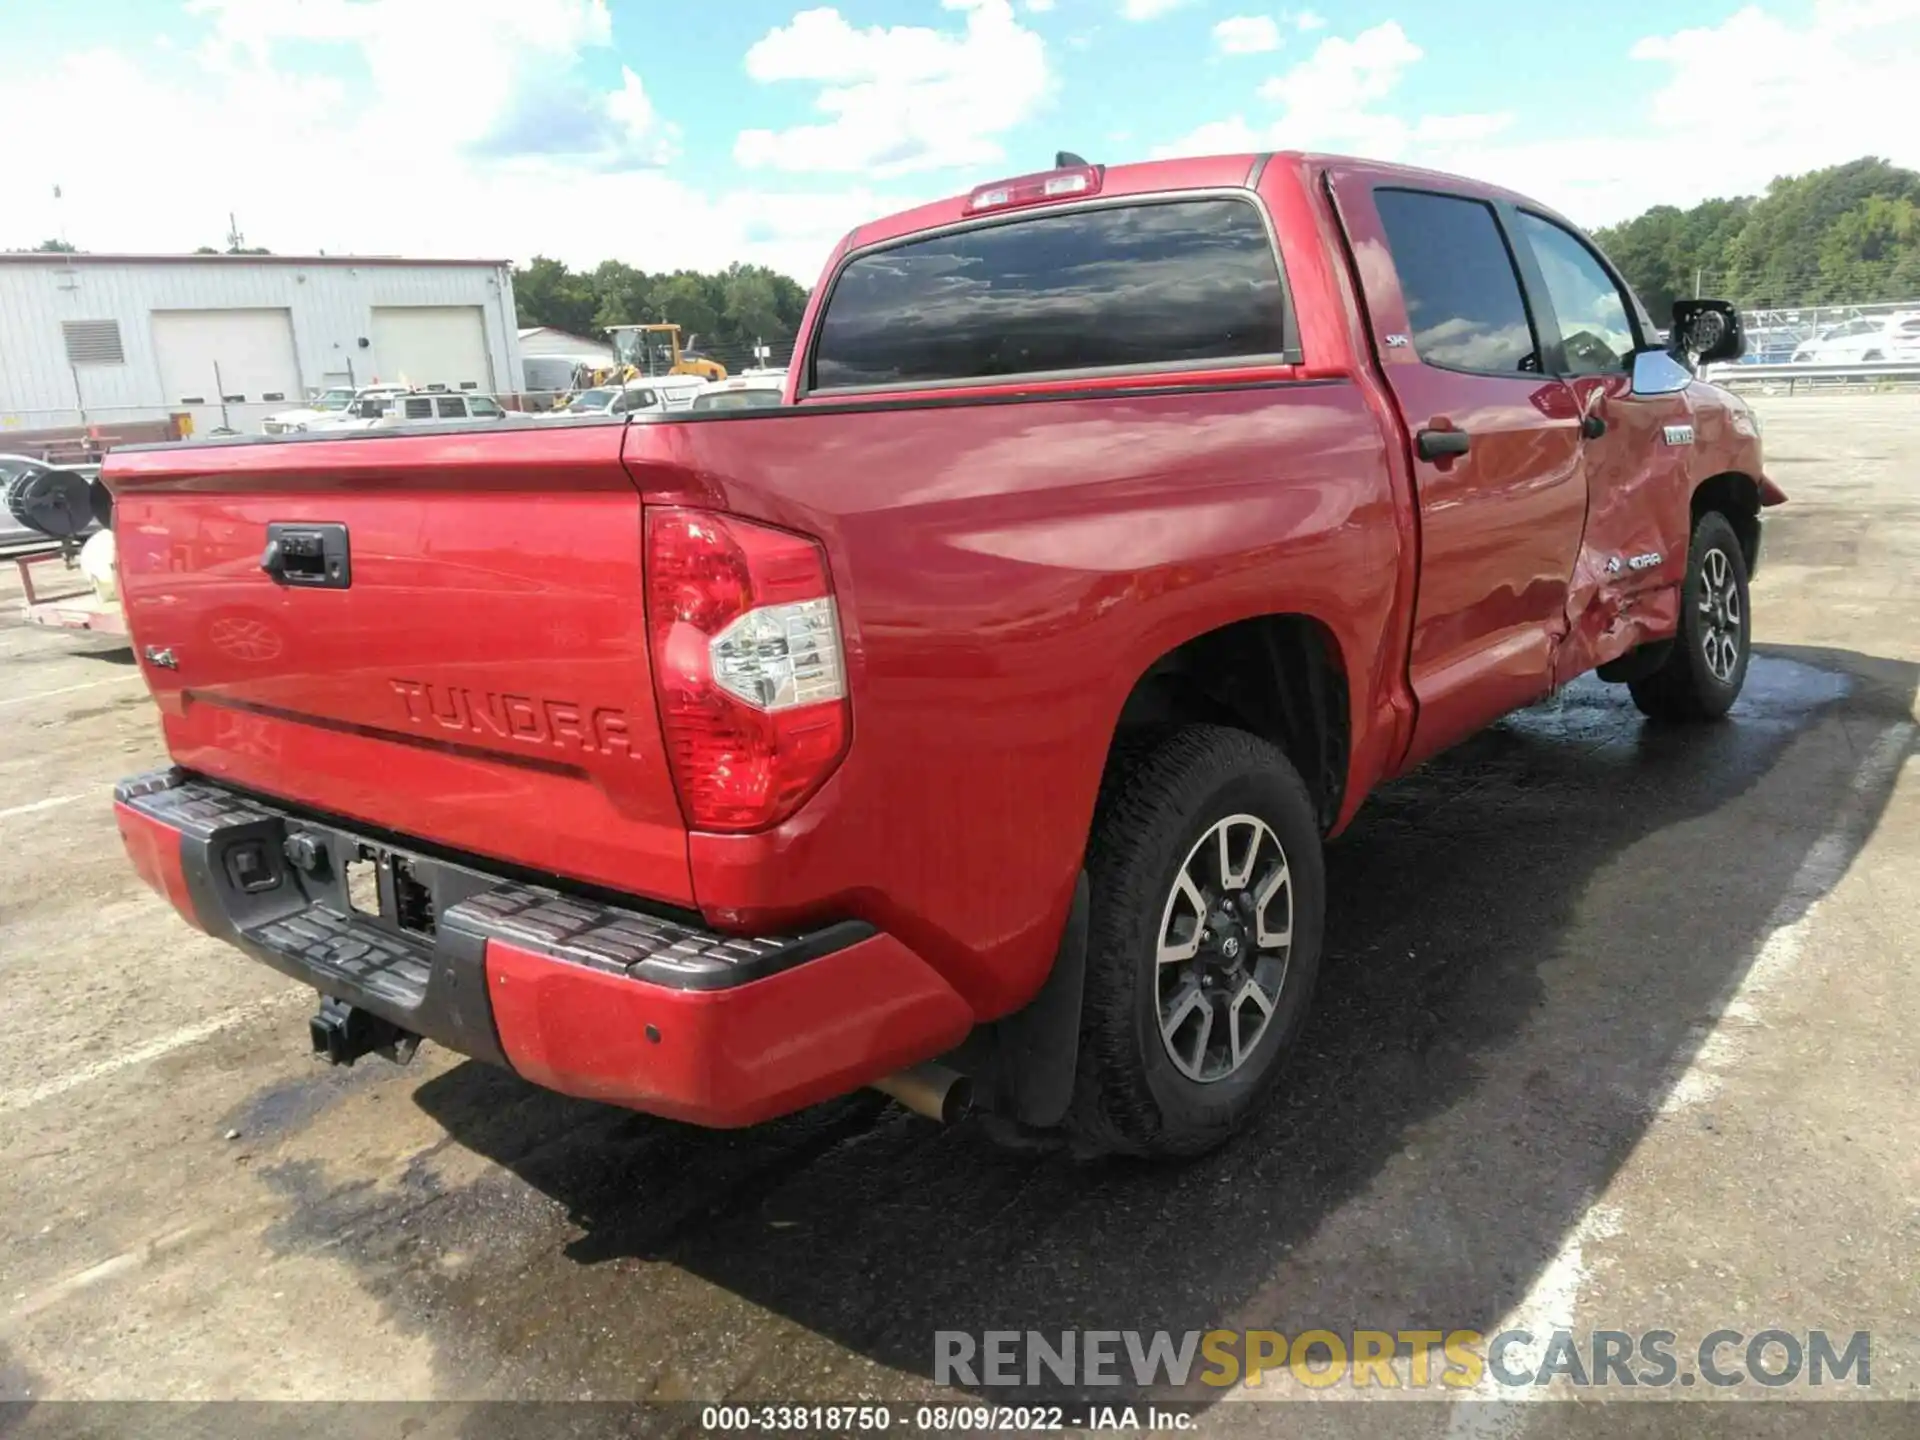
(1226, 933)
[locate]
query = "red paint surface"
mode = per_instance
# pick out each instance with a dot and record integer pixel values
(1004, 575)
(484, 682)
(723, 1057)
(154, 850)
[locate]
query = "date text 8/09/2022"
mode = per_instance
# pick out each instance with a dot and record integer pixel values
(943, 1419)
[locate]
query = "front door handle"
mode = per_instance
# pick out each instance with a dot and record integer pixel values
(1438, 444)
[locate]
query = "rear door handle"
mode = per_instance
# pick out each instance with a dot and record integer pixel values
(1436, 444)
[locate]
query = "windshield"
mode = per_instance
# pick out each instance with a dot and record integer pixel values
(333, 399)
(591, 401)
(737, 400)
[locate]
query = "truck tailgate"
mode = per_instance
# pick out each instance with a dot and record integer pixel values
(462, 660)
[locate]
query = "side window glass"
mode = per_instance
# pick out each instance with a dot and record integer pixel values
(419, 409)
(1462, 291)
(1595, 325)
(451, 407)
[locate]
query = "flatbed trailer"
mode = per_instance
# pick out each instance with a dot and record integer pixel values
(67, 609)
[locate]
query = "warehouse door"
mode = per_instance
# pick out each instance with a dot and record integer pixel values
(243, 356)
(432, 347)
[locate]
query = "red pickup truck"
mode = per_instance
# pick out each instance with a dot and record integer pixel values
(972, 716)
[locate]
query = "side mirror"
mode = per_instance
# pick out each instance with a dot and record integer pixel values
(1657, 372)
(1707, 332)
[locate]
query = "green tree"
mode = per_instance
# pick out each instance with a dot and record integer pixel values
(1873, 248)
(751, 309)
(624, 294)
(1848, 234)
(726, 311)
(55, 247)
(547, 293)
(684, 299)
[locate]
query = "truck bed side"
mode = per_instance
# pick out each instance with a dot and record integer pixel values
(1006, 573)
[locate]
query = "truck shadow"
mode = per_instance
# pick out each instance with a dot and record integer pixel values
(1528, 941)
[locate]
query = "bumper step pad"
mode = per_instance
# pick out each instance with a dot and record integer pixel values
(301, 920)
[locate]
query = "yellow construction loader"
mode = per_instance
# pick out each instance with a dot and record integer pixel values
(645, 351)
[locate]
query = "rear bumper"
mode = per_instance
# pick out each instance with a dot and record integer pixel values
(608, 1001)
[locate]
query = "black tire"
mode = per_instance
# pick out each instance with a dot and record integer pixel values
(1160, 799)
(1690, 686)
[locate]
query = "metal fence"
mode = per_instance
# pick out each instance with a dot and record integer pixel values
(1792, 378)
(1774, 333)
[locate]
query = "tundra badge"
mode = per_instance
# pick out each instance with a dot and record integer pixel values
(1679, 434)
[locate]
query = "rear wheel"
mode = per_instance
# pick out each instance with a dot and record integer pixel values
(1707, 666)
(1208, 893)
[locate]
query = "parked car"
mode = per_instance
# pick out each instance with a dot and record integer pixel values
(412, 409)
(974, 720)
(1894, 338)
(612, 400)
(743, 392)
(328, 406)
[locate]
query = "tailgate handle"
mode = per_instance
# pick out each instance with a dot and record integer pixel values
(315, 556)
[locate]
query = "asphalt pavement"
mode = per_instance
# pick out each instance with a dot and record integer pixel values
(1614, 1030)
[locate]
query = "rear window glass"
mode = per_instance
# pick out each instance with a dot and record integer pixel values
(737, 400)
(1169, 283)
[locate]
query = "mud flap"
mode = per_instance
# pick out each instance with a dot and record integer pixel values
(1636, 664)
(1037, 1048)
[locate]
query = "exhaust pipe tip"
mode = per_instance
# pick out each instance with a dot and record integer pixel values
(942, 1095)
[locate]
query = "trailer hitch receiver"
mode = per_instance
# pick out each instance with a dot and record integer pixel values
(343, 1033)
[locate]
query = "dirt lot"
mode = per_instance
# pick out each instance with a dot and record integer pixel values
(1615, 1030)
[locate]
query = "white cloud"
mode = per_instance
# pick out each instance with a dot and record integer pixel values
(1699, 133)
(1308, 20)
(1343, 75)
(505, 82)
(383, 154)
(1246, 35)
(1038, 7)
(1328, 102)
(899, 98)
(1150, 9)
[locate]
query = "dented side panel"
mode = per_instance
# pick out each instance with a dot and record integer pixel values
(1641, 478)
(1633, 552)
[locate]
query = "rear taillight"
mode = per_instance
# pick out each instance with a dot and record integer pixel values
(747, 666)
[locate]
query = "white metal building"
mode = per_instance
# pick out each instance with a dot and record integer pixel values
(90, 339)
(543, 341)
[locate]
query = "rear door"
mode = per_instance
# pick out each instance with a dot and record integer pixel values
(1502, 500)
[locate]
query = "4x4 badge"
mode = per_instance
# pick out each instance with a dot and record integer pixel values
(162, 655)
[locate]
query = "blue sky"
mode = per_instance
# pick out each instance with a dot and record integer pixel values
(695, 135)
